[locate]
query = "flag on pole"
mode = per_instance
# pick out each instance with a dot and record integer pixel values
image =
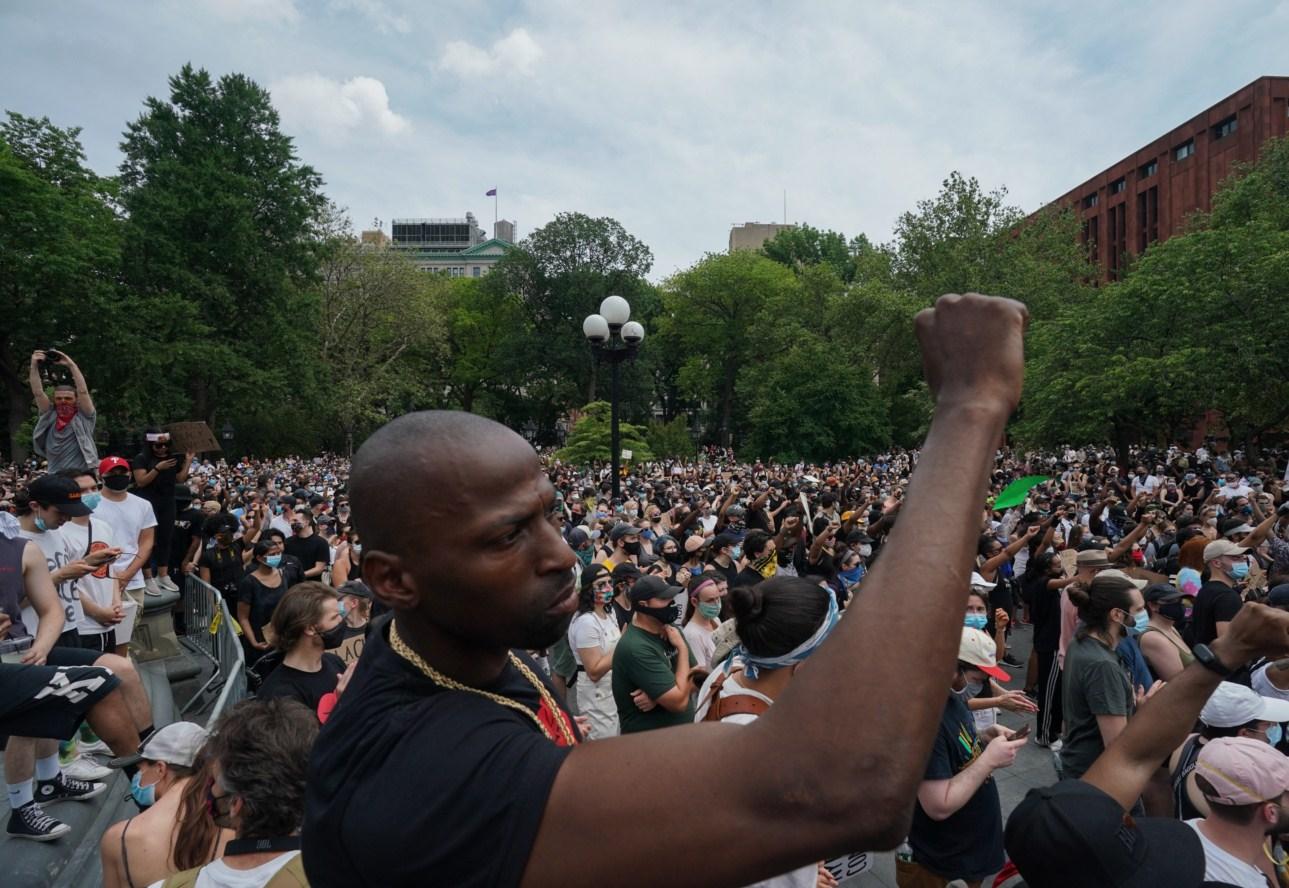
(490, 193)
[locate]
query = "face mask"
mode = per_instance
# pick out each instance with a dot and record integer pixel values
(146, 796)
(973, 688)
(333, 637)
(606, 595)
(356, 548)
(1140, 621)
(710, 610)
(976, 621)
(117, 482)
(665, 615)
(344, 611)
(736, 553)
(673, 557)
(1240, 571)
(40, 523)
(91, 500)
(273, 560)
(631, 548)
(585, 556)
(1173, 610)
(1275, 734)
(865, 550)
(765, 565)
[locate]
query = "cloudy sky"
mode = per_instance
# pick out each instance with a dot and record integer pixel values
(676, 119)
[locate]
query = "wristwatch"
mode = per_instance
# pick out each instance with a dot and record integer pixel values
(1209, 659)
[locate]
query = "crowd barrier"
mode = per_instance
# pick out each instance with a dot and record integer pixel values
(210, 633)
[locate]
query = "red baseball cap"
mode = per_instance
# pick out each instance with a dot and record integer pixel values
(109, 463)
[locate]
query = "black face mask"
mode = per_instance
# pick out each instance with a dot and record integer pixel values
(674, 557)
(665, 615)
(333, 637)
(117, 482)
(1174, 610)
(632, 548)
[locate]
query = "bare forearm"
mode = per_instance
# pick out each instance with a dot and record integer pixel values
(958, 790)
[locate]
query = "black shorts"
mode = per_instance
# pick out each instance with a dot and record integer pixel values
(101, 642)
(52, 700)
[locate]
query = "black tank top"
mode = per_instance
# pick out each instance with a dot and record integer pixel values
(1183, 807)
(12, 588)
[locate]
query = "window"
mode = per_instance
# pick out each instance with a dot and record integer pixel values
(1184, 150)
(1118, 185)
(476, 271)
(1146, 170)
(1225, 128)
(1090, 200)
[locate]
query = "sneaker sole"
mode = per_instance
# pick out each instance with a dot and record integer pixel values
(80, 798)
(49, 837)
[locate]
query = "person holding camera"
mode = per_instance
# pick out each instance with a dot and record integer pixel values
(64, 433)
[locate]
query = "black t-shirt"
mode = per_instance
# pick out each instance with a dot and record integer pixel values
(308, 550)
(623, 614)
(161, 492)
(292, 570)
(748, 576)
(729, 573)
(187, 524)
(307, 687)
(968, 844)
(262, 599)
(1047, 616)
(1215, 603)
(226, 568)
(414, 784)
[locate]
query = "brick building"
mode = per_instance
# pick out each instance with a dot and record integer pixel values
(1147, 196)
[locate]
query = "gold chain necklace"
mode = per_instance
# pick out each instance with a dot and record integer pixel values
(401, 648)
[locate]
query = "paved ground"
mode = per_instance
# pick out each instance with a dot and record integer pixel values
(1033, 767)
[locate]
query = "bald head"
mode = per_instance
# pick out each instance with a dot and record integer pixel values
(423, 463)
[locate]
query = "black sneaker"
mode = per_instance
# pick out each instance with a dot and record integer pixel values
(31, 822)
(63, 788)
(1010, 661)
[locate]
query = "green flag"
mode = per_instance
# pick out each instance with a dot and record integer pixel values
(1014, 493)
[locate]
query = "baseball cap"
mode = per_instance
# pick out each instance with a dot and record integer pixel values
(1244, 771)
(1117, 577)
(1232, 705)
(694, 543)
(176, 744)
(721, 540)
(356, 588)
(1162, 592)
(1279, 596)
(979, 650)
(183, 493)
(1091, 558)
(626, 571)
(63, 494)
(108, 463)
(577, 538)
(1074, 835)
(1218, 548)
(652, 587)
(621, 530)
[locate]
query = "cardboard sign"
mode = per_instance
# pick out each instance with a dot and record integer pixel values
(350, 649)
(848, 865)
(626, 454)
(1069, 561)
(191, 437)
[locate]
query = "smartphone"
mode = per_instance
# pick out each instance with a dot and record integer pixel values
(1021, 734)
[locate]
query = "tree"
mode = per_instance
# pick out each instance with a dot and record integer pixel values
(711, 309)
(670, 440)
(223, 216)
(59, 257)
(591, 438)
(804, 245)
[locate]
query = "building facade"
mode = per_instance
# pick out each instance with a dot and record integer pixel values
(1147, 196)
(457, 247)
(752, 235)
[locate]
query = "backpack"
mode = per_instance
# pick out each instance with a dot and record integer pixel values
(719, 707)
(289, 876)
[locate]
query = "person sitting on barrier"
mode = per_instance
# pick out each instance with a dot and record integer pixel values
(149, 846)
(259, 752)
(306, 624)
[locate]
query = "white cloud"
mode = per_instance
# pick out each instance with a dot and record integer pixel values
(336, 110)
(517, 52)
(382, 18)
(272, 11)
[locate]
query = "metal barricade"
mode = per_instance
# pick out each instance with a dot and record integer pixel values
(211, 635)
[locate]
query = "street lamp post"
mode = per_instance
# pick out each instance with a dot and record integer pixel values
(614, 338)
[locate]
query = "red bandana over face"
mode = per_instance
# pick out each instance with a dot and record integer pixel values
(65, 414)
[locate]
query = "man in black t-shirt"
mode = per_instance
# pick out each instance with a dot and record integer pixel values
(306, 546)
(1217, 602)
(759, 552)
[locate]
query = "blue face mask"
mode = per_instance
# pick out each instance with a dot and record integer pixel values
(852, 576)
(144, 795)
(273, 560)
(736, 553)
(1140, 621)
(40, 524)
(344, 611)
(91, 500)
(975, 621)
(1275, 734)
(1240, 571)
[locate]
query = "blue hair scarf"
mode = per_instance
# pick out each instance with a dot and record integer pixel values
(753, 664)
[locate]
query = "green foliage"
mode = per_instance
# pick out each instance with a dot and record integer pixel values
(591, 437)
(804, 246)
(670, 440)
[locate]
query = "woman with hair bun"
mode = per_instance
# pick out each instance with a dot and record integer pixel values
(592, 636)
(780, 623)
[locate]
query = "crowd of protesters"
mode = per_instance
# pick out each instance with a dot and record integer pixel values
(485, 733)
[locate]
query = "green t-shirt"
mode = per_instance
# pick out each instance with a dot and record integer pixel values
(646, 662)
(1094, 682)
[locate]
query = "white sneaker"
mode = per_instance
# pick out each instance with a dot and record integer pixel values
(98, 747)
(150, 587)
(167, 584)
(83, 768)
